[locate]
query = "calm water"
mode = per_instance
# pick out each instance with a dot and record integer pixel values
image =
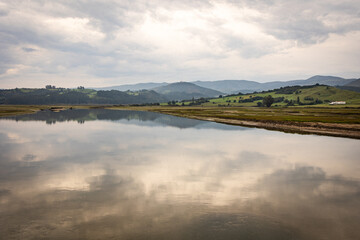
(102, 174)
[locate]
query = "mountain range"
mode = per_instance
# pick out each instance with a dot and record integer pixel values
(156, 93)
(235, 86)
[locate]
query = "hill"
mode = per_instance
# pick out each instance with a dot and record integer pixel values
(185, 90)
(288, 96)
(349, 88)
(355, 83)
(77, 96)
(352, 86)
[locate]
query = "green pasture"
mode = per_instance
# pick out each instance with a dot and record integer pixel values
(304, 95)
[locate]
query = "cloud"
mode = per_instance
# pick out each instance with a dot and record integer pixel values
(96, 42)
(307, 21)
(28, 49)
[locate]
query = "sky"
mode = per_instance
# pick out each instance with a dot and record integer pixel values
(95, 43)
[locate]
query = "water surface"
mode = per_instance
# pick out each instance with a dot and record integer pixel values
(106, 174)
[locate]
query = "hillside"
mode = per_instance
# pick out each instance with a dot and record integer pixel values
(355, 83)
(288, 96)
(352, 86)
(185, 90)
(77, 96)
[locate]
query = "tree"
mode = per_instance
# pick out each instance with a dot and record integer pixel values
(290, 103)
(268, 101)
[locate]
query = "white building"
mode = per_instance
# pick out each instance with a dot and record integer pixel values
(337, 102)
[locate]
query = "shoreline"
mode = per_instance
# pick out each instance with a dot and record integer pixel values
(347, 129)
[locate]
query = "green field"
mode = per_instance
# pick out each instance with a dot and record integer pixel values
(317, 96)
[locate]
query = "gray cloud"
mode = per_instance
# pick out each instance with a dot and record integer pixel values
(161, 40)
(308, 21)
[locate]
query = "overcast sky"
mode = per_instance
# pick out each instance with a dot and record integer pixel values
(70, 43)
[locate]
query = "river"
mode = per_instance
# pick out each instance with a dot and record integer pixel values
(109, 174)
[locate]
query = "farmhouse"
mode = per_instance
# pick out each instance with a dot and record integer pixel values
(337, 102)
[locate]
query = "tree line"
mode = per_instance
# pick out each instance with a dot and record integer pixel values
(52, 95)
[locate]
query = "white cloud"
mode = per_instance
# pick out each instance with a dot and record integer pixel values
(74, 30)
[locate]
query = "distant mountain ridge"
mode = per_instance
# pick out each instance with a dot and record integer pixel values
(230, 86)
(133, 87)
(244, 86)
